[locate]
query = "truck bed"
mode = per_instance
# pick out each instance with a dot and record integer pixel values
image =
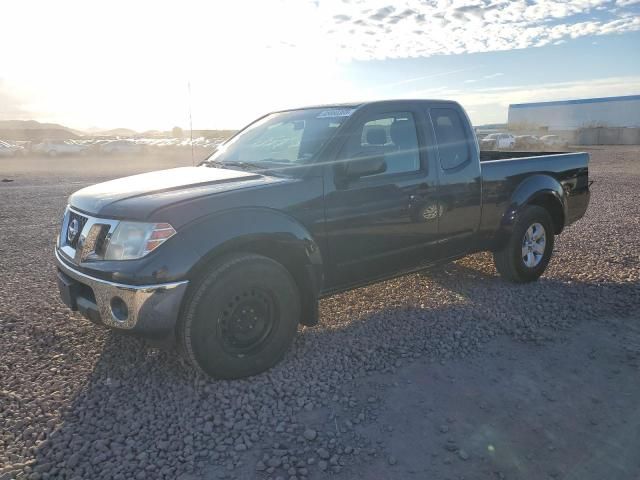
(504, 173)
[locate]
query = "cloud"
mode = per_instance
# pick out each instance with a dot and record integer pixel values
(485, 77)
(382, 13)
(445, 27)
(426, 77)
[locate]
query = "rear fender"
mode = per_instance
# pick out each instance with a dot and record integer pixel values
(542, 190)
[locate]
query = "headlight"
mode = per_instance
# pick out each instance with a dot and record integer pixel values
(132, 240)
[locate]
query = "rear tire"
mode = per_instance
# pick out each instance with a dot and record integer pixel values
(240, 318)
(527, 253)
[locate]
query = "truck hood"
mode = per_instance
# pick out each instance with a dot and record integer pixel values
(138, 196)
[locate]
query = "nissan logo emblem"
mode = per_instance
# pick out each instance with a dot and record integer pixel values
(74, 229)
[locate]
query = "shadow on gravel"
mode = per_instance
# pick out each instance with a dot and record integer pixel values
(546, 303)
(120, 420)
(144, 414)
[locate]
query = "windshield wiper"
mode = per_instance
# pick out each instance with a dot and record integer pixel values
(263, 166)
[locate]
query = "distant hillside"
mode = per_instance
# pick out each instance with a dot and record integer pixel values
(34, 131)
(117, 132)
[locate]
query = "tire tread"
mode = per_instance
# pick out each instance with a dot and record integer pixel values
(505, 259)
(201, 286)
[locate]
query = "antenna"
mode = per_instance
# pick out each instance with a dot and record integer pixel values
(190, 123)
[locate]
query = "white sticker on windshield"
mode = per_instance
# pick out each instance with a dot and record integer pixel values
(336, 112)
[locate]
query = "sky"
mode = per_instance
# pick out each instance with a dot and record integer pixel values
(148, 64)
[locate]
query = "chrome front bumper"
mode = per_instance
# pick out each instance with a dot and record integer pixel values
(151, 310)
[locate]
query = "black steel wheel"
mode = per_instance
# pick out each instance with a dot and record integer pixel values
(247, 320)
(240, 317)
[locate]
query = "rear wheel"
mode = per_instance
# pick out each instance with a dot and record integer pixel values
(527, 253)
(240, 318)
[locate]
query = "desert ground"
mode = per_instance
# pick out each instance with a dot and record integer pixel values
(445, 374)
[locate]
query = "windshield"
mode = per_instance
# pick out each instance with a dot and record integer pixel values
(288, 138)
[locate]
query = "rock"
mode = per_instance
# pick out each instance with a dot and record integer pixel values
(73, 460)
(323, 465)
(451, 446)
(463, 454)
(323, 453)
(392, 460)
(310, 434)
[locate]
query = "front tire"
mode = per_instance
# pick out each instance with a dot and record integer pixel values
(527, 253)
(240, 318)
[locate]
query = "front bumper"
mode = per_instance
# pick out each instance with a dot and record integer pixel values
(150, 310)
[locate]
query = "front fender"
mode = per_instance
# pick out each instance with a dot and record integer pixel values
(264, 231)
(260, 230)
(237, 226)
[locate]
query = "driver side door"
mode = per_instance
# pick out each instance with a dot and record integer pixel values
(381, 223)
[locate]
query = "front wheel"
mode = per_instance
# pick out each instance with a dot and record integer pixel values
(527, 253)
(240, 318)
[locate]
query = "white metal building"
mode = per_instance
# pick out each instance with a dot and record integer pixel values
(571, 115)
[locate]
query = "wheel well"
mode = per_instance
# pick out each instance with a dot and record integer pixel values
(552, 205)
(286, 257)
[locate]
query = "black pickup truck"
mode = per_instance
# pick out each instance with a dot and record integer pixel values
(227, 258)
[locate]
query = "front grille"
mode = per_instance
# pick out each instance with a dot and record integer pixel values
(81, 221)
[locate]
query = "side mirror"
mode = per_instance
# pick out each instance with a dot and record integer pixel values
(364, 166)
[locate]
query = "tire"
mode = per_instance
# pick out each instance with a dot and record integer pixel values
(240, 318)
(511, 263)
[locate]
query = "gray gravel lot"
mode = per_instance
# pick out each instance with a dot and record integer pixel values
(446, 374)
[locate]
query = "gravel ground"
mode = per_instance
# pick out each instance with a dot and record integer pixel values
(446, 374)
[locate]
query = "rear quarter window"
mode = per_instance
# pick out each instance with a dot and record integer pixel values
(453, 144)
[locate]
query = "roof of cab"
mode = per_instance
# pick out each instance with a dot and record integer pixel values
(356, 105)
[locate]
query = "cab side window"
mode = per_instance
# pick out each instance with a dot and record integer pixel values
(392, 135)
(453, 144)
